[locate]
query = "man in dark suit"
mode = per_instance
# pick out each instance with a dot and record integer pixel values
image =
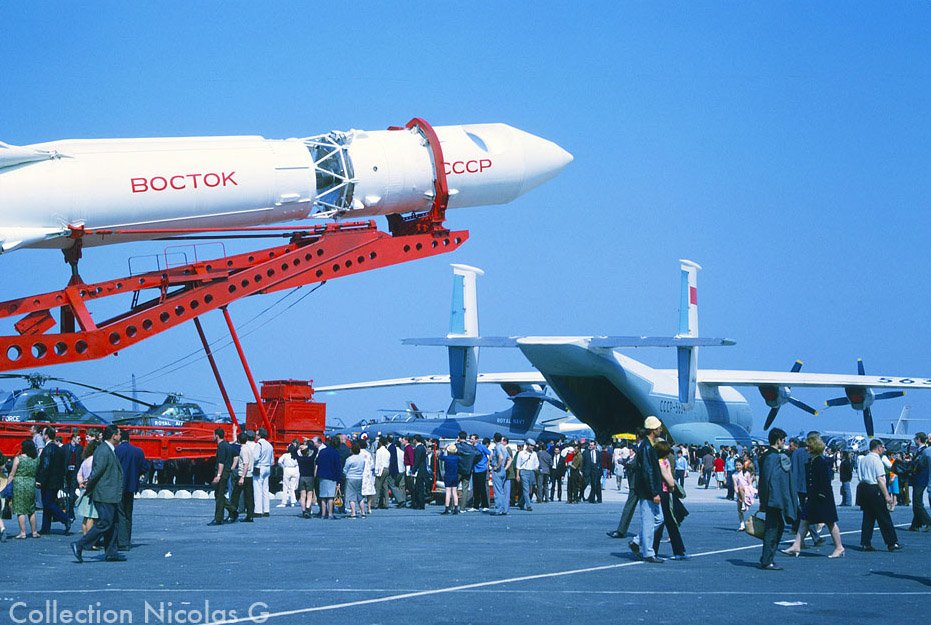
(419, 471)
(105, 486)
(132, 460)
(50, 478)
(220, 480)
(591, 471)
(72, 452)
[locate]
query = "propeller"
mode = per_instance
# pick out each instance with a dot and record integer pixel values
(776, 396)
(861, 398)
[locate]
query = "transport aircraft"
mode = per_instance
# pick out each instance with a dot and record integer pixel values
(613, 393)
(533, 414)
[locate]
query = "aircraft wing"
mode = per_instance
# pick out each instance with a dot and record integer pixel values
(525, 377)
(712, 377)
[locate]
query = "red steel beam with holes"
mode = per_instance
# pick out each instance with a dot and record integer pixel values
(185, 292)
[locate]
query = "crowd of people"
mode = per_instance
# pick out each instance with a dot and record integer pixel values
(335, 477)
(793, 483)
(331, 477)
(98, 481)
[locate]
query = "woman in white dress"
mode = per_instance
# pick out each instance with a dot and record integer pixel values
(85, 506)
(368, 478)
(291, 475)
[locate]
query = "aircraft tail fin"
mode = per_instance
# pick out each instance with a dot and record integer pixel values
(901, 424)
(688, 327)
(529, 400)
(463, 323)
(417, 412)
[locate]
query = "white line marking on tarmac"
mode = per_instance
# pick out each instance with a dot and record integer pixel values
(451, 589)
(181, 591)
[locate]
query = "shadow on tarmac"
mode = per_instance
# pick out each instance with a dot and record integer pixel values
(926, 581)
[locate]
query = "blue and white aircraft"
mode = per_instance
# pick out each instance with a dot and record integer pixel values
(614, 393)
(533, 412)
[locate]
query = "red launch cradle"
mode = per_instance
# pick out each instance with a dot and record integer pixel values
(312, 255)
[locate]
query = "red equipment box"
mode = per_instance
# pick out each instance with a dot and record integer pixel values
(291, 412)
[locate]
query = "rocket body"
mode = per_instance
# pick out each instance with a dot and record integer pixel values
(233, 182)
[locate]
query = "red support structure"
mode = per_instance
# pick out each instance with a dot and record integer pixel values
(183, 293)
(216, 372)
(245, 367)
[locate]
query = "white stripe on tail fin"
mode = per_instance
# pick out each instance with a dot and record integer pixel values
(688, 299)
(463, 322)
(688, 327)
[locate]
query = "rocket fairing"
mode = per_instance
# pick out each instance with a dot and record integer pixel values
(233, 182)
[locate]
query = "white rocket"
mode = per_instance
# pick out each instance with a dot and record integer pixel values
(127, 185)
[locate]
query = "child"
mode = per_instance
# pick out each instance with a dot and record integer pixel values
(746, 492)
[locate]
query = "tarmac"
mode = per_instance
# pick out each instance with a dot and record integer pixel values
(397, 566)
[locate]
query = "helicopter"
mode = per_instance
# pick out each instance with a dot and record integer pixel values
(39, 404)
(172, 412)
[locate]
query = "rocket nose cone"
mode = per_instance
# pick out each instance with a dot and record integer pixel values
(543, 160)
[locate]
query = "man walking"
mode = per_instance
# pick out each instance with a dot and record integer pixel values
(846, 476)
(576, 486)
(480, 474)
(242, 479)
(105, 487)
(396, 472)
(221, 479)
(777, 496)
(419, 473)
(73, 452)
(468, 456)
(627, 515)
(920, 475)
(591, 471)
(132, 460)
(649, 482)
(499, 463)
(873, 498)
(50, 478)
(408, 465)
(543, 475)
(264, 458)
(382, 474)
(527, 465)
(707, 466)
(559, 471)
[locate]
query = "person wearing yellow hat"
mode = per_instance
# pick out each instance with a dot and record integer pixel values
(649, 486)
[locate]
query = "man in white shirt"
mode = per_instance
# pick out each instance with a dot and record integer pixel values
(527, 465)
(243, 485)
(264, 457)
(874, 499)
(382, 482)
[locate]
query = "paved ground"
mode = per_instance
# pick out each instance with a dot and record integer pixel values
(400, 565)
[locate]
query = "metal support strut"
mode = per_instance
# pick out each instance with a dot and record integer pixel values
(245, 367)
(180, 294)
(216, 373)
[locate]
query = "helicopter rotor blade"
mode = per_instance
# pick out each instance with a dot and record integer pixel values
(103, 390)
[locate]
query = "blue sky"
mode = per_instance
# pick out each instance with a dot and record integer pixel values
(783, 146)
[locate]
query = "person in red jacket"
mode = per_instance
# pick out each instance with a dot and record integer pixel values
(719, 470)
